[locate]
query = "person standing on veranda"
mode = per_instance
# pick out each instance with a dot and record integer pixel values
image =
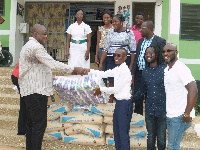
(101, 38)
(78, 42)
(36, 84)
(181, 96)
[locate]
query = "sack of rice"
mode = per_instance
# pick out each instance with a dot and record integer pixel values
(109, 129)
(78, 90)
(110, 139)
(60, 107)
(108, 120)
(84, 139)
(136, 131)
(74, 129)
(138, 141)
(53, 135)
(82, 116)
(53, 115)
(56, 126)
(135, 142)
(137, 120)
(103, 109)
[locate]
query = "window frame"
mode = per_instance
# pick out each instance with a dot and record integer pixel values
(3, 11)
(181, 15)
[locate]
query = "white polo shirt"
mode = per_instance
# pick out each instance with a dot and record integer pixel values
(175, 81)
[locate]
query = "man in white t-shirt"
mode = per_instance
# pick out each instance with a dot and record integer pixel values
(181, 96)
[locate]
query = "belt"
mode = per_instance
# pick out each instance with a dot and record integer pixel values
(78, 41)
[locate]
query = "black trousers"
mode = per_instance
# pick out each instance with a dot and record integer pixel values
(137, 83)
(36, 107)
(22, 111)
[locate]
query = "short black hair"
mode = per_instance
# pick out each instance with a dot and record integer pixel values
(78, 9)
(107, 11)
(140, 13)
(122, 48)
(120, 17)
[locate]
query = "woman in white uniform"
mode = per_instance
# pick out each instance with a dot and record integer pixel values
(78, 42)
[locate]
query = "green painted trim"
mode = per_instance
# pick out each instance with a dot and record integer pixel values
(6, 24)
(4, 40)
(195, 70)
(165, 16)
(190, 49)
(190, 1)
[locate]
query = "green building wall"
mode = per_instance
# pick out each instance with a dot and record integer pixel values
(6, 25)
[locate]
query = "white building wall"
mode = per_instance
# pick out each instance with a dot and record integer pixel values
(15, 38)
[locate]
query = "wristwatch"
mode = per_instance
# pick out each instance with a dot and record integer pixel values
(186, 115)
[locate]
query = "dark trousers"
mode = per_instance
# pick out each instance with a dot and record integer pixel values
(22, 111)
(36, 107)
(156, 127)
(137, 83)
(121, 124)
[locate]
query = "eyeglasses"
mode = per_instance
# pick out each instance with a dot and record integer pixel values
(118, 55)
(168, 51)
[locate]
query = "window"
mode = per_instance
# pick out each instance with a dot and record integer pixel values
(2, 5)
(190, 22)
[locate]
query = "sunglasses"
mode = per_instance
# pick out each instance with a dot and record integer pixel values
(168, 51)
(118, 55)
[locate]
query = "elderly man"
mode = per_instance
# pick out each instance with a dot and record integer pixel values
(139, 64)
(35, 81)
(181, 96)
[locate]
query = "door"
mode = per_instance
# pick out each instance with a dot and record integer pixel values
(52, 16)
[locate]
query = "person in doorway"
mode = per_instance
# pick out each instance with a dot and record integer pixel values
(139, 19)
(181, 96)
(155, 107)
(35, 82)
(149, 39)
(119, 37)
(22, 110)
(121, 90)
(78, 42)
(101, 38)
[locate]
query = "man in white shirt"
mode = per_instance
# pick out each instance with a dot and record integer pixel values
(121, 90)
(181, 96)
(35, 82)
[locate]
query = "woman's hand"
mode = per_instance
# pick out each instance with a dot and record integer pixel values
(87, 56)
(96, 60)
(67, 55)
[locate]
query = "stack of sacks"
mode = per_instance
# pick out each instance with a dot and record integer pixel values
(138, 132)
(87, 128)
(78, 90)
(55, 128)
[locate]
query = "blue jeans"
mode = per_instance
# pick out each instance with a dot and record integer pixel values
(121, 124)
(176, 129)
(156, 127)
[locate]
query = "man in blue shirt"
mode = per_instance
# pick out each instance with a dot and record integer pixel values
(155, 107)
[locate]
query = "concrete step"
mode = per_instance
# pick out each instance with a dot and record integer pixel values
(7, 109)
(10, 138)
(9, 122)
(7, 89)
(12, 99)
(6, 80)
(6, 71)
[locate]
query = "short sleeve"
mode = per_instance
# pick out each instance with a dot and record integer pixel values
(88, 29)
(185, 75)
(69, 30)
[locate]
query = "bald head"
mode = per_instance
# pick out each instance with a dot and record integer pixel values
(170, 46)
(37, 27)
